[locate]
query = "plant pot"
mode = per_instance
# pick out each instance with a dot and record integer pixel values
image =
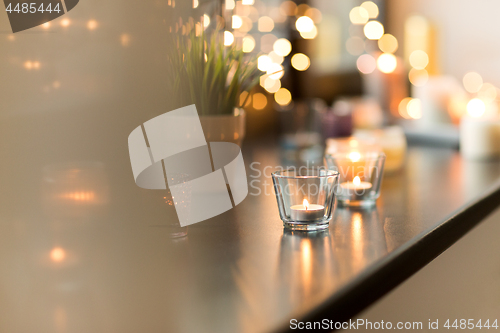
(227, 128)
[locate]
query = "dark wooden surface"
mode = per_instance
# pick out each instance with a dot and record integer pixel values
(237, 272)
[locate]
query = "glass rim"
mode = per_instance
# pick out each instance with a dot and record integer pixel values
(330, 173)
(342, 156)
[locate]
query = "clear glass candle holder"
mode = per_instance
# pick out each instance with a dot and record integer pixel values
(305, 197)
(360, 176)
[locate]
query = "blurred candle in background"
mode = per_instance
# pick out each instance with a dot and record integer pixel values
(435, 97)
(479, 132)
(392, 142)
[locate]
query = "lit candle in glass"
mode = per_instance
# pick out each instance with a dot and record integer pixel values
(360, 176)
(349, 188)
(307, 212)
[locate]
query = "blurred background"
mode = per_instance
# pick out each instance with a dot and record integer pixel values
(423, 65)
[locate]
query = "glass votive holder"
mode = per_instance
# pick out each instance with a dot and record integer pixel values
(350, 144)
(360, 177)
(305, 197)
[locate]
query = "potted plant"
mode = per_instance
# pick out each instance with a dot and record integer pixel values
(205, 72)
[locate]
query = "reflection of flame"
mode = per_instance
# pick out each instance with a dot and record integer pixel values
(81, 196)
(306, 203)
(356, 181)
(306, 249)
(357, 240)
(354, 156)
(57, 254)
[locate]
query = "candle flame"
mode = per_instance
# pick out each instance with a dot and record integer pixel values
(354, 156)
(356, 181)
(305, 203)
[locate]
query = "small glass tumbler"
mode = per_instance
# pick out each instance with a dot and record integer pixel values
(305, 197)
(360, 177)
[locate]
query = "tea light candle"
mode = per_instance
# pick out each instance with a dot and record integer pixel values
(356, 186)
(307, 212)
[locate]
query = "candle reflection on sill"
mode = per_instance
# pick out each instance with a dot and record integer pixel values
(306, 265)
(125, 40)
(363, 235)
(92, 25)
(57, 254)
(65, 23)
(74, 190)
(81, 196)
(357, 239)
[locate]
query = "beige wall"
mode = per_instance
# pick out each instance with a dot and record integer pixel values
(468, 33)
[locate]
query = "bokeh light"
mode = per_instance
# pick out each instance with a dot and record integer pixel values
(366, 64)
(259, 101)
(387, 63)
(246, 25)
(358, 15)
(272, 85)
(65, 22)
(263, 63)
(314, 14)
(300, 61)
(371, 8)
(476, 108)
(472, 82)
(418, 77)
(373, 30)
(304, 24)
(247, 2)
(275, 71)
(388, 43)
(283, 97)
(248, 44)
(310, 34)
(228, 38)
(419, 59)
(206, 21)
(355, 46)
(230, 4)
(414, 108)
(266, 42)
(301, 9)
(403, 108)
(288, 8)
(46, 25)
(488, 92)
(237, 22)
(265, 24)
(276, 58)
(282, 47)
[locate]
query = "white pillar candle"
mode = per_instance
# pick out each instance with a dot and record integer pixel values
(307, 212)
(435, 97)
(480, 137)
